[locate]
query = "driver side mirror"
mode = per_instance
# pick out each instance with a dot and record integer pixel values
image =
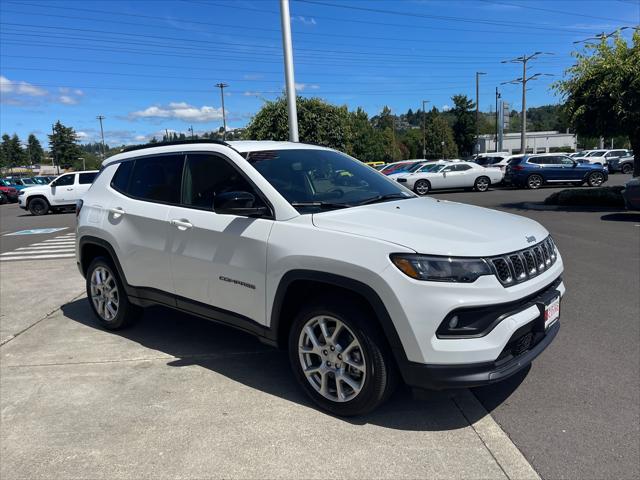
(54, 183)
(237, 203)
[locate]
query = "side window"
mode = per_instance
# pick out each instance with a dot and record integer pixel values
(536, 160)
(566, 161)
(120, 180)
(157, 178)
(66, 180)
(462, 168)
(87, 177)
(447, 169)
(206, 176)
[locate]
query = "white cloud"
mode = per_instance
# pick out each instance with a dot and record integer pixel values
(249, 93)
(303, 86)
(446, 108)
(82, 135)
(67, 100)
(20, 88)
(139, 138)
(180, 111)
(304, 20)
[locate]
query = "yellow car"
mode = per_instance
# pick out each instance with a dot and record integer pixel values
(374, 164)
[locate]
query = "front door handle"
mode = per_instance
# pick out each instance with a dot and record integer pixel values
(182, 224)
(117, 212)
(69, 189)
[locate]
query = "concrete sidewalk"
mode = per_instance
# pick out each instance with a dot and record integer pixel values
(179, 397)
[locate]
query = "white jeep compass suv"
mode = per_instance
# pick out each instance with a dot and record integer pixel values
(309, 249)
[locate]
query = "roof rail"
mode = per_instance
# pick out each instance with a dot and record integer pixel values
(175, 142)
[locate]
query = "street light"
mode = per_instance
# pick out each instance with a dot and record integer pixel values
(478, 110)
(424, 129)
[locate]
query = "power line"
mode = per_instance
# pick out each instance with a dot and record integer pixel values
(234, 44)
(550, 10)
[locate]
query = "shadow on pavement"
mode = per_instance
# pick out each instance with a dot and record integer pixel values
(622, 217)
(242, 358)
(540, 206)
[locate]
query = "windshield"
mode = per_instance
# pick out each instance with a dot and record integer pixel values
(28, 181)
(435, 168)
(414, 167)
(323, 178)
(597, 153)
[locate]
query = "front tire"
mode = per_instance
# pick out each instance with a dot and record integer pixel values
(422, 187)
(534, 182)
(340, 358)
(107, 296)
(595, 179)
(39, 206)
(482, 184)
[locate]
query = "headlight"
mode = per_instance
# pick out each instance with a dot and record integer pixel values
(20, 192)
(441, 269)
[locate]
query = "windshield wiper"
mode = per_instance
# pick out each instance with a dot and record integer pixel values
(383, 198)
(322, 205)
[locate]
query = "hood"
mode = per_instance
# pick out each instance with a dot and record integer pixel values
(436, 227)
(36, 189)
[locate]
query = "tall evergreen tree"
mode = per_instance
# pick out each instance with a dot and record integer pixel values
(464, 123)
(35, 153)
(63, 143)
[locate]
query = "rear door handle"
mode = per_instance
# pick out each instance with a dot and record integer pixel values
(117, 212)
(182, 224)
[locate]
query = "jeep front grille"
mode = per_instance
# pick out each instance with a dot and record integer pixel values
(520, 266)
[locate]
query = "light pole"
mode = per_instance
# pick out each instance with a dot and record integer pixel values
(285, 22)
(190, 129)
(424, 129)
(222, 86)
(524, 59)
(100, 118)
(497, 98)
(477, 144)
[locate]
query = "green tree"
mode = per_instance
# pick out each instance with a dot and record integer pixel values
(365, 143)
(464, 123)
(318, 122)
(63, 143)
(4, 151)
(602, 91)
(440, 138)
(35, 153)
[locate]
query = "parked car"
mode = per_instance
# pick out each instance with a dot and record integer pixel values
(8, 183)
(397, 166)
(534, 171)
(240, 233)
(375, 164)
(490, 159)
(62, 193)
(40, 180)
(23, 181)
(603, 157)
(631, 194)
(623, 164)
(409, 168)
(9, 193)
(452, 175)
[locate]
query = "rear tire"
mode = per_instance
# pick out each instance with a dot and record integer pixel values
(422, 187)
(482, 184)
(39, 206)
(346, 373)
(107, 297)
(627, 168)
(534, 182)
(595, 179)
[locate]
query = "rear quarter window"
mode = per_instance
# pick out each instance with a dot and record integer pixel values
(120, 180)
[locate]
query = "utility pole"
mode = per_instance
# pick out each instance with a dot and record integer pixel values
(424, 129)
(477, 144)
(53, 151)
(285, 21)
(222, 86)
(497, 98)
(190, 129)
(524, 59)
(100, 118)
(393, 133)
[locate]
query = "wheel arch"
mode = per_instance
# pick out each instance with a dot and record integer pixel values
(34, 196)
(296, 286)
(91, 247)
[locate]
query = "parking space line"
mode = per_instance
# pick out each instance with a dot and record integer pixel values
(49, 247)
(36, 257)
(59, 250)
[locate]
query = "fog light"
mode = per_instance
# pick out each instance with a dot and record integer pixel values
(453, 323)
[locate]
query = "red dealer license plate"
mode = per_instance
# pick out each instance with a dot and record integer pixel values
(551, 312)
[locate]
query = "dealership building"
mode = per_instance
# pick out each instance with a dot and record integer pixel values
(537, 142)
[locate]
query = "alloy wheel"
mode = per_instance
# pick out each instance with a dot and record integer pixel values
(421, 187)
(534, 181)
(596, 179)
(104, 293)
(332, 358)
(482, 184)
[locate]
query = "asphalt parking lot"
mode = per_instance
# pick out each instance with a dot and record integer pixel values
(176, 396)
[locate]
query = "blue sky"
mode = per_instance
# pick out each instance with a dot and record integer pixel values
(148, 66)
